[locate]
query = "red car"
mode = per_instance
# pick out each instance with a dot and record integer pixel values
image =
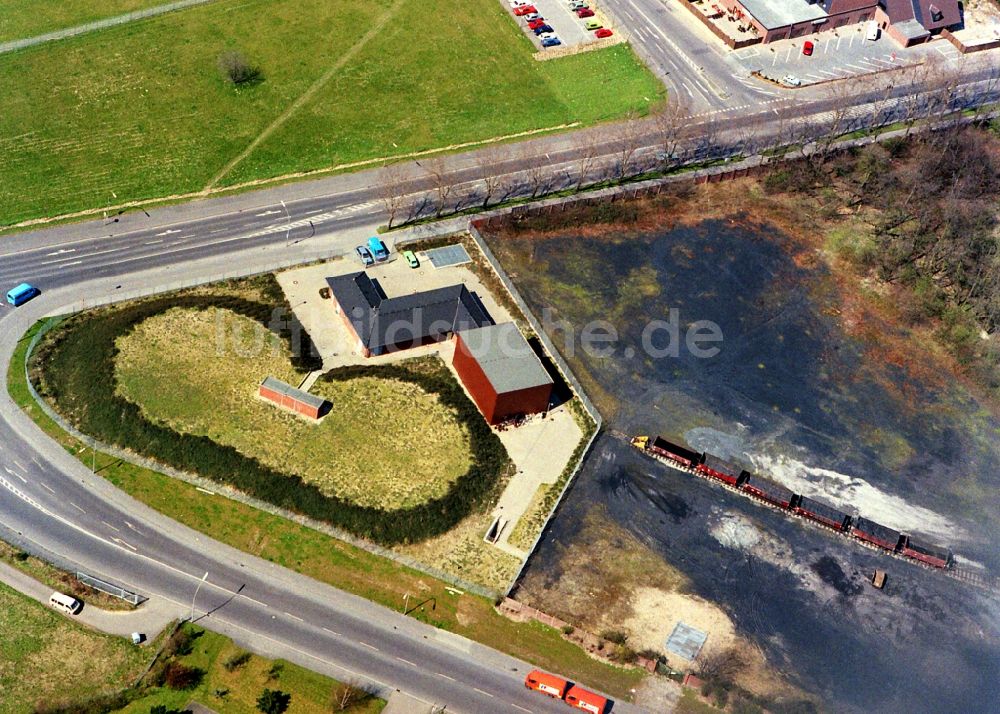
(807, 48)
(584, 12)
(602, 33)
(535, 24)
(524, 10)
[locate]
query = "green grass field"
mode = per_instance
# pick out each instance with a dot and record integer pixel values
(45, 656)
(175, 367)
(236, 692)
(140, 111)
(20, 19)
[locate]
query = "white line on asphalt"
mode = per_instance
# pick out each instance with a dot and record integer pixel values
(129, 525)
(48, 489)
(111, 526)
(445, 676)
(58, 260)
(332, 632)
(154, 242)
(217, 230)
(258, 602)
(295, 617)
(102, 252)
(482, 692)
(368, 645)
(127, 545)
(18, 465)
(412, 664)
(838, 42)
(687, 89)
(62, 251)
(77, 507)
(168, 232)
(517, 706)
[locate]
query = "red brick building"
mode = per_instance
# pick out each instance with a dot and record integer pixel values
(295, 400)
(501, 371)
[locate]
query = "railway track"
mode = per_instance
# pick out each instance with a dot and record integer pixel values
(971, 577)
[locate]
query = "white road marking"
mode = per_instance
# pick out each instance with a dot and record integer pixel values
(267, 213)
(154, 242)
(368, 645)
(332, 632)
(48, 489)
(258, 602)
(111, 526)
(516, 706)
(295, 617)
(445, 676)
(61, 251)
(127, 545)
(77, 507)
(168, 232)
(406, 661)
(130, 526)
(482, 692)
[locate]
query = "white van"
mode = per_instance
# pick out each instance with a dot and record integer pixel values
(65, 603)
(871, 31)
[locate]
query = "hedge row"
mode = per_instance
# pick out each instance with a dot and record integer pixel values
(74, 368)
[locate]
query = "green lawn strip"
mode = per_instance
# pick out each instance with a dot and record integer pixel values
(236, 691)
(141, 111)
(45, 656)
(21, 19)
(333, 561)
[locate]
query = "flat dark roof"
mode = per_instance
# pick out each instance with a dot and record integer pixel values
(383, 322)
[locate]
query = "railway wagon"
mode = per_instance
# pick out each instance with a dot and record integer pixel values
(820, 512)
(675, 452)
(546, 683)
(768, 490)
(723, 470)
(581, 698)
(930, 554)
(876, 534)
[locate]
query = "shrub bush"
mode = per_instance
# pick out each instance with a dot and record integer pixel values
(236, 661)
(237, 69)
(178, 675)
(75, 365)
(616, 636)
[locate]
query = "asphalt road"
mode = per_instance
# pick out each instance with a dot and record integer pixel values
(50, 500)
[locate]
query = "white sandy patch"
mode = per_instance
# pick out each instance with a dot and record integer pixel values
(856, 496)
(658, 612)
(968, 562)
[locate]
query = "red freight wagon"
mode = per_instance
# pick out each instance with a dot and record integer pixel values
(723, 470)
(546, 683)
(932, 555)
(876, 533)
(674, 452)
(581, 698)
(767, 489)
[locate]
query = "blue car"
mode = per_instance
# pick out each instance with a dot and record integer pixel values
(365, 256)
(551, 42)
(543, 28)
(21, 294)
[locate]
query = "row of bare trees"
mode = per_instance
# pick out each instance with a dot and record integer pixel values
(671, 138)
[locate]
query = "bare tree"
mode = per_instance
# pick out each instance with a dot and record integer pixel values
(720, 665)
(585, 148)
(348, 694)
(669, 124)
(490, 162)
(444, 184)
(390, 190)
(536, 173)
(627, 142)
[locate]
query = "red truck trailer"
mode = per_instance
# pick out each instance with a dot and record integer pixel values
(586, 700)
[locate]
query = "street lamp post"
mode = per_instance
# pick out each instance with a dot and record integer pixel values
(203, 579)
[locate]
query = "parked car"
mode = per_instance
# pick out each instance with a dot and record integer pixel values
(536, 23)
(365, 255)
(871, 30)
(584, 12)
(577, 4)
(411, 259)
(551, 42)
(593, 25)
(546, 36)
(533, 16)
(602, 33)
(807, 48)
(543, 28)
(791, 80)
(524, 10)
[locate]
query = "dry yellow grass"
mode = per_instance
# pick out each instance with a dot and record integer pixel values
(385, 443)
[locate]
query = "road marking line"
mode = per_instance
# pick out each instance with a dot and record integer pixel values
(445, 676)
(48, 489)
(518, 706)
(111, 526)
(168, 232)
(332, 632)
(154, 242)
(368, 645)
(247, 597)
(18, 465)
(127, 545)
(295, 617)
(77, 507)
(482, 692)
(62, 251)
(406, 661)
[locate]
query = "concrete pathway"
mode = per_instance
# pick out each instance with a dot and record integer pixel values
(400, 703)
(12, 45)
(149, 618)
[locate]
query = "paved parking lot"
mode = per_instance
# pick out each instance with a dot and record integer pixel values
(840, 54)
(568, 27)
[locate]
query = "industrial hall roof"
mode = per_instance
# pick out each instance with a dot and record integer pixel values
(382, 322)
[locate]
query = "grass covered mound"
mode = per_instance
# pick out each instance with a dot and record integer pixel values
(386, 443)
(75, 369)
